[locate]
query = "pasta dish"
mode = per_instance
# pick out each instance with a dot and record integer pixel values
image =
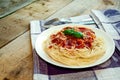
(74, 46)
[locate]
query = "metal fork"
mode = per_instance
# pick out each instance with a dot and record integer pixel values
(57, 21)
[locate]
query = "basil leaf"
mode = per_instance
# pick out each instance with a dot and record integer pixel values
(78, 34)
(73, 33)
(68, 32)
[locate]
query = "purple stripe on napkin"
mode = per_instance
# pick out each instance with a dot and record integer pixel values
(86, 75)
(52, 70)
(113, 15)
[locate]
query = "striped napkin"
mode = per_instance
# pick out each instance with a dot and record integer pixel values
(109, 70)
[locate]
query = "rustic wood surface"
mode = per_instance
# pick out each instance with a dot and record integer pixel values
(16, 60)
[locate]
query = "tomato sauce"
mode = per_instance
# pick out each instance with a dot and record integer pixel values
(70, 42)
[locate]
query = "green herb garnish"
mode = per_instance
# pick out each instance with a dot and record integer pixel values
(73, 33)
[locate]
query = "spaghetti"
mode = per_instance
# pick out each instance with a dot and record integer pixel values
(70, 50)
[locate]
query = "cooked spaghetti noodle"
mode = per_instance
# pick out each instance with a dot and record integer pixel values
(73, 51)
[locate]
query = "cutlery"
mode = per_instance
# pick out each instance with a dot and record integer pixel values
(74, 20)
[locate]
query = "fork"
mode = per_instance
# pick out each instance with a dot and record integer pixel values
(57, 21)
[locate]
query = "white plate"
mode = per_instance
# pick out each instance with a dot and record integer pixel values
(109, 43)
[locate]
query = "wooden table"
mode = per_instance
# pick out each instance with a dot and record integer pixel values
(16, 60)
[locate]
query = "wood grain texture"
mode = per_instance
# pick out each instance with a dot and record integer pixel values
(78, 7)
(16, 62)
(16, 56)
(17, 23)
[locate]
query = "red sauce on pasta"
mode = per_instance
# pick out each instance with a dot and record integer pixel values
(70, 42)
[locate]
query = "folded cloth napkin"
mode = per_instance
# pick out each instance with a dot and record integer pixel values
(109, 21)
(109, 70)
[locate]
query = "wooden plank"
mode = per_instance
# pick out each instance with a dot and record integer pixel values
(16, 59)
(17, 23)
(80, 7)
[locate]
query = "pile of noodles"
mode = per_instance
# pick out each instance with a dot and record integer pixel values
(75, 56)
